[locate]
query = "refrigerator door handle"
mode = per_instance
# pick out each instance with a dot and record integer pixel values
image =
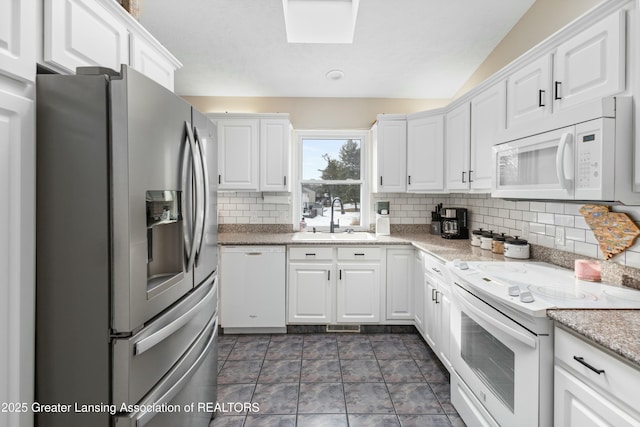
(204, 190)
(197, 171)
(161, 335)
(145, 417)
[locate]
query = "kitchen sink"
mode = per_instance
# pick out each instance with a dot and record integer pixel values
(334, 237)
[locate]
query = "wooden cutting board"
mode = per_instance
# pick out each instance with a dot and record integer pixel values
(614, 231)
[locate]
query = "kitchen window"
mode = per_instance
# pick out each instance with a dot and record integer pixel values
(332, 164)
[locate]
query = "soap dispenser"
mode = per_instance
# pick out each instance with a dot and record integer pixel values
(303, 225)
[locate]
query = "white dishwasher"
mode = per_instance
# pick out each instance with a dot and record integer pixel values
(252, 289)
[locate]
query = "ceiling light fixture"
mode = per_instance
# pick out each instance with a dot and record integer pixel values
(335, 75)
(320, 21)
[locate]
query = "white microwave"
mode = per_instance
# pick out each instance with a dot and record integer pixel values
(586, 154)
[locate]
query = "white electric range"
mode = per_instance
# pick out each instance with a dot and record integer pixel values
(502, 340)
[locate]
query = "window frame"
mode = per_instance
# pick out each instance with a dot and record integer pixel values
(365, 149)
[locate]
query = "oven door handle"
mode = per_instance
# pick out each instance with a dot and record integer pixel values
(523, 338)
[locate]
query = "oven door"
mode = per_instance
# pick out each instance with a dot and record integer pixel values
(498, 361)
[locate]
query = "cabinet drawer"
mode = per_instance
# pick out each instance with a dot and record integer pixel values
(434, 267)
(618, 379)
(359, 253)
(311, 253)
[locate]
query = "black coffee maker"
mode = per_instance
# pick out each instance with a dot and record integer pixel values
(454, 223)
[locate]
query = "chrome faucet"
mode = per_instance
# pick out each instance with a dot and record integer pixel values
(332, 226)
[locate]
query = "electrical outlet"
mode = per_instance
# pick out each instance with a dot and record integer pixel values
(525, 229)
(560, 237)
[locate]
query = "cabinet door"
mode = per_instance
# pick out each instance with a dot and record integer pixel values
(238, 154)
(150, 62)
(444, 336)
(578, 405)
(390, 156)
(488, 117)
(310, 293)
(592, 64)
(431, 324)
(358, 293)
(18, 39)
(418, 291)
(79, 33)
(274, 155)
(425, 154)
(528, 92)
(17, 253)
(457, 132)
(400, 266)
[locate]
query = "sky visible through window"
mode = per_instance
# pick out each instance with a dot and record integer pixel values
(313, 149)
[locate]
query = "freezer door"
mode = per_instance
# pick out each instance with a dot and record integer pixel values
(207, 249)
(192, 381)
(140, 361)
(152, 163)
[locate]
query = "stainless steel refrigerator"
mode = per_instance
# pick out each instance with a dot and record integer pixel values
(126, 285)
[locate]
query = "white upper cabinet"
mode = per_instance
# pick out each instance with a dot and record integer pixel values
(79, 33)
(390, 156)
(18, 39)
(528, 93)
(591, 64)
(488, 117)
(457, 137)
(275, 140)
(425, 154)
(150, 61)
(254, 152)
(238, 154)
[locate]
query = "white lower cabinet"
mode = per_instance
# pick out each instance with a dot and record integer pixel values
(399, 289)
(419, 291)
(437, 309)
(592, 387)
(310, 292)
(334, 285)
(358, 293)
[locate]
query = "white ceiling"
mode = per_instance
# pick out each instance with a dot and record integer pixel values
(401, 49)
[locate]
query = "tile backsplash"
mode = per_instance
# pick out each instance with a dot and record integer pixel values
(538, 222)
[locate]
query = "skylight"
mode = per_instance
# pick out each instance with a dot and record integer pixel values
(320, 21)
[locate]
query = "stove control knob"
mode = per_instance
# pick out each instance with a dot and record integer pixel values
(463, 265)
(514, 290)
(526, 297)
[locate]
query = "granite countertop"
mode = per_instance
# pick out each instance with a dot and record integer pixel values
(616, 330)
(445, 249)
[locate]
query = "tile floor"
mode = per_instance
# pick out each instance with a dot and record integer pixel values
(332, 380)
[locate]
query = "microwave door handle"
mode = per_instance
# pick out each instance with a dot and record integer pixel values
(203, 190)
(565, 139)
(198, 175)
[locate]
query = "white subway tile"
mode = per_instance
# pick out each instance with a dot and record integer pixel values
(546, 241)
(509, 223)
(576, 234)
(545, 218)
(508, 204)
(557, 208)
(632, 259)
(572, 209)
(523, 206)
(537, 228)
(579, 222)
(537, 206)
(515, 214)
(586, 249)
(564, 220)
(550, 230)
(503, 213)
(530, 216)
